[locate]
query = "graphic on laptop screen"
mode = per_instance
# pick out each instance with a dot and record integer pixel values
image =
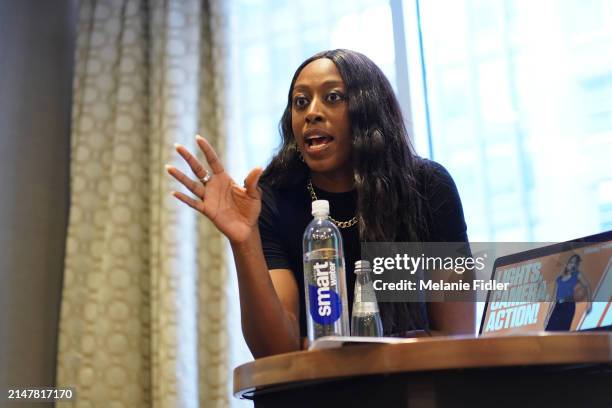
(563, 291)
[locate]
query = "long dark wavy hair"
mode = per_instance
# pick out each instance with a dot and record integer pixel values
(383, 163)
(578, 259)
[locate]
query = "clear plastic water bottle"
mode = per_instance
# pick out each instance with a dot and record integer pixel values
(324, 276)
(365, 320)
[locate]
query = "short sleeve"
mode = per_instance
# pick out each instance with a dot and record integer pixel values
(272, 240)
(446, 220)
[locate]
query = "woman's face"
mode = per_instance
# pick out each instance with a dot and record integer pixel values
(319, 117)
(572, 263)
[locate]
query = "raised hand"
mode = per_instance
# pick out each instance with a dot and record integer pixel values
(233, 209)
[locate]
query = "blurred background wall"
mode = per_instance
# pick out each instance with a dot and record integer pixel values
(36, 54)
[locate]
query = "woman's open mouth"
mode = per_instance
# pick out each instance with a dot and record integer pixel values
(317, 142)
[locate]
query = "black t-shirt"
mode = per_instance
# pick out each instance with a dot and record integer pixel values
(286, 212)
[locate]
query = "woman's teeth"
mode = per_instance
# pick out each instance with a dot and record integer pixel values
(318, 140)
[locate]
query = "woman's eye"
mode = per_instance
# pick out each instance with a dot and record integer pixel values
(300, 101)
(334, 97)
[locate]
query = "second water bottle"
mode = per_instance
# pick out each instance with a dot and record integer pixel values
(365, 319)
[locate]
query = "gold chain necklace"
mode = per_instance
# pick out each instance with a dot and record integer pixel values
(340, 224)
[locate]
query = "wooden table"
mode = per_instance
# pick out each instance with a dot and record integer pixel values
(542, 370)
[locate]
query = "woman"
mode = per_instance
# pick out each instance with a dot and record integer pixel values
(568, 285)
(344, 140)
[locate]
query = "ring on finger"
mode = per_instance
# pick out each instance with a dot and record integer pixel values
(206, 177)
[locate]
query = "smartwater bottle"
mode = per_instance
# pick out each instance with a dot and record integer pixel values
(324, 277)
(365, 320)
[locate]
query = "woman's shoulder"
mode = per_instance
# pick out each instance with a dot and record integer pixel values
(426, 170)
(441, 201)
(433, 181)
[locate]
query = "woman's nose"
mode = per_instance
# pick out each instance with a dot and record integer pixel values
(314, 113)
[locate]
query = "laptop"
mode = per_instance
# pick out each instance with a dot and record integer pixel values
(561, 287)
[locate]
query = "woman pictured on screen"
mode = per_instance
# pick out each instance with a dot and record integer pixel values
(570, 287)
(343, 140)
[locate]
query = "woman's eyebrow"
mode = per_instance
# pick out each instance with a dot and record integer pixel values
(328, 83)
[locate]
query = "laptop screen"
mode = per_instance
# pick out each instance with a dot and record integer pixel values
(561, 287)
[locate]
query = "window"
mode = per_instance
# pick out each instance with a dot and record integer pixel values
(513, 97)
(269, 39)
(519, 96)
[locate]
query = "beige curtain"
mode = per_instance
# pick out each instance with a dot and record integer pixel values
(143, 316)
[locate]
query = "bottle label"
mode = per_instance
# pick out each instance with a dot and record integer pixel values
(325, 303)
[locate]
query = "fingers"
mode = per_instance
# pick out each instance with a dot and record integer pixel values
(196, 166)
(250, 182)
(195, 187)
(211, 156)
(195, 204)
